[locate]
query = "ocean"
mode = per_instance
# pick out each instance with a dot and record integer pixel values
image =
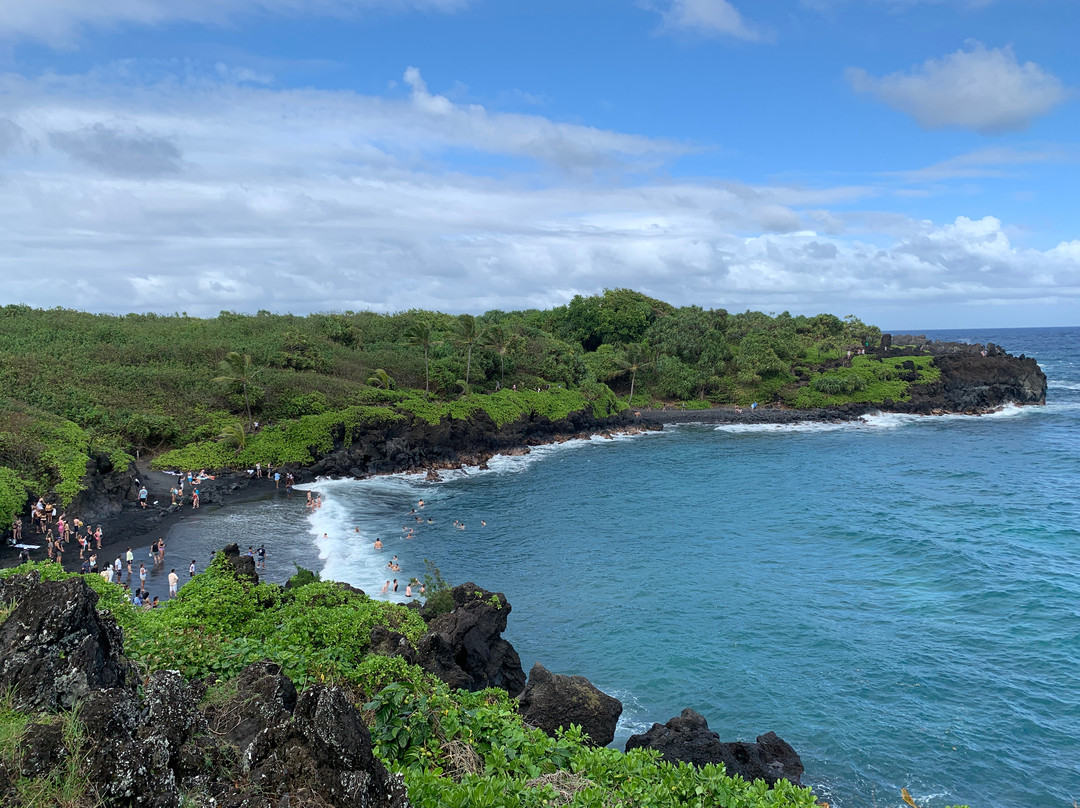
(898, 598)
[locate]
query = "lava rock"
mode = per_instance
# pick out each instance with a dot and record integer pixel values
(687, 738)
(465, 647)
(551, 701)
(55, 648)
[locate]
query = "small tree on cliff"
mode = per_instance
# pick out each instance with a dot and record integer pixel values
(469, 334)
(422, 335)
(238, 372)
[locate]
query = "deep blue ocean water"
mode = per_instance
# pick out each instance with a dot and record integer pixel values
(899, 599)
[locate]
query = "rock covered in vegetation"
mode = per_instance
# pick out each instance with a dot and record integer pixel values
(552, 700)
(54, 647)
(688, 738)
(465, 647)
(260, 745)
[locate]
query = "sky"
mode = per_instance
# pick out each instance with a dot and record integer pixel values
(911, 162)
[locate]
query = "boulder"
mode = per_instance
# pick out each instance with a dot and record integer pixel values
(552, 700)
(688, 738)
(55, 648)
(465, 647)
(244, 565)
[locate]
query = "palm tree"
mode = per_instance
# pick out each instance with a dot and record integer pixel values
(422, 334)
(632, 359)
(380, 378)
(502, 339)
(237, 370)
(235, 434)
(469, 334)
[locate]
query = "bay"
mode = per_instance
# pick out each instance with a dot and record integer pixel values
(898, 598)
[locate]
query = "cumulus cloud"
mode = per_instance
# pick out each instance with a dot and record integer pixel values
(131, 153)
(984, 89)
(709, 18)
(59, 21)
(300, 200)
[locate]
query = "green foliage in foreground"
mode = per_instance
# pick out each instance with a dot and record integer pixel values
(455, 749)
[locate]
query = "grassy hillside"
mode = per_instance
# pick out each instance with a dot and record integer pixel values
(73, 384)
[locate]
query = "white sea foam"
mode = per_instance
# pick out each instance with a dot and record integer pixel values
(871, 421)
(1054, 384)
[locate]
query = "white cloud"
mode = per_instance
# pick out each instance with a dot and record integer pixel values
(984, 89)
(709, 18)
(301, 200)
(58, 22)
(993, 162)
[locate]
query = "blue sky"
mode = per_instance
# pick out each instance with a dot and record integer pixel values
(912, 162)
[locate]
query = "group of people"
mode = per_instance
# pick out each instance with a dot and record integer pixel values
(271, 474)
(177, 491)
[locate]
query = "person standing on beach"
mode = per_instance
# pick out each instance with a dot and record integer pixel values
(194, 498)
(97, 535)
(277, 480)
(191, 569)
(142, 496)
(258, 470)
(130, 558)
(142, 576)
(261, 554)
(118, 568)
(174, 581)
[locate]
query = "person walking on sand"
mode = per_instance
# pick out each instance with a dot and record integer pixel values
(174, 581)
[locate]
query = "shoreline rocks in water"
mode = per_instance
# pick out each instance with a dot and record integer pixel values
(687, 738)
(552, 701)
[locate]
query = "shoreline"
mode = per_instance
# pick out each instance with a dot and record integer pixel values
(138, 528)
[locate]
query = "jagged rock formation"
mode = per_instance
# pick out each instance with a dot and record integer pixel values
(54, 647)
(688, 738)
(552, 700)
(260, 747)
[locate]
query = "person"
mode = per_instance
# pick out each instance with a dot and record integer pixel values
(408, 589)
(378, 544)
(137, 599)
(262, 556)
(142, 496)
(423, 589)
(154, 604)
(142, 576)
(130, 556)
(194, 498)
(174, 581)
(191, 569)
(258, 470)
(385, 588)
(289, 481)
(84, 568)
(395, 584)
(93, 563)
(277, 480)
(118, 567)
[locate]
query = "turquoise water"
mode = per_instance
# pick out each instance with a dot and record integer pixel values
(899, 599)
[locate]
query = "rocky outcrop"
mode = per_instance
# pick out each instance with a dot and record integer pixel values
(54, 647)
(552, 701)
(416, 444)
(243, 565)
(688, 738)
(465, 647)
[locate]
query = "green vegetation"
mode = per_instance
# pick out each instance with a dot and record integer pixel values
(187, 391)
(454, 748)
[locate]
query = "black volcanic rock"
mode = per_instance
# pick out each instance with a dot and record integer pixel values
(244, 565)
(688, 738)
(552, 700)
(54, 647)
(465, 647)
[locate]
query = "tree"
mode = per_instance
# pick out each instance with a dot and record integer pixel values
(469, 333)
(502, 339)
(380, 378)
(422, 334)
(237, 370)
(235, 435)
(633, 358)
